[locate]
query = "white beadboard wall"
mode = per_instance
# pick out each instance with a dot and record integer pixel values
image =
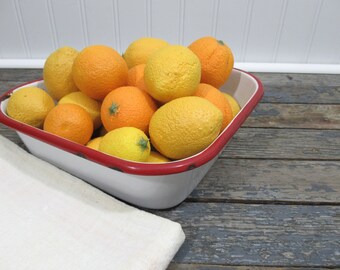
(265, 35)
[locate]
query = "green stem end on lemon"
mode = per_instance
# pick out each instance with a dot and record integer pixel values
(143, 144)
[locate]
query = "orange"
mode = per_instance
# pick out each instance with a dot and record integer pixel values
(71, 122)
(217, 98)
(136, 77)
(91, 105)
(99, 69)
(216, 59)
(127, 106)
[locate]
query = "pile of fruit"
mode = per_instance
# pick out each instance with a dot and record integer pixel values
(156, 103)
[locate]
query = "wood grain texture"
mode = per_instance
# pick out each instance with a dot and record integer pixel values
(274, 143)
(176, 266)
(312, 116)
(8, 85)
(281, 79)
(289, 181)
(272, 235)
(300, 88)
(10, 134)
(20, 75)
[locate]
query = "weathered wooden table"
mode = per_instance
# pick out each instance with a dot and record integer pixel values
(273, 198)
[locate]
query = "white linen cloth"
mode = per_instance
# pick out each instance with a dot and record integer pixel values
(50, 220)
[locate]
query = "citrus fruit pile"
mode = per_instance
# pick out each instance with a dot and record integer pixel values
(157, 102)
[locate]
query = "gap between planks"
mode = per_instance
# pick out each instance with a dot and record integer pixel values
(260, 202)
(179, 266)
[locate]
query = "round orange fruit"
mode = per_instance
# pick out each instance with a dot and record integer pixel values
(136, 77)
(216, 59)
(99, 69)
(71, 122)
(127, 106)
(91, 105)
(217, 98)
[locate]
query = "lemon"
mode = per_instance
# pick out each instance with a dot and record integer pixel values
(57, 72)
(235, 107)
(30, 105)
(91, 105)
(94, 143)
(185, 126)
(127, 143)
(139, 50)
(172, 72)
(156, 157)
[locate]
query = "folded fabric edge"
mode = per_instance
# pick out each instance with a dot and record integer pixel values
(172, 241)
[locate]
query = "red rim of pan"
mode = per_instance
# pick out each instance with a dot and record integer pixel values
(132, 167)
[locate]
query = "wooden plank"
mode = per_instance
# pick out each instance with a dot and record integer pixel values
(300, 88)
(288, 181)
(177, 266)
(259, 235)
(10, 134)
(298, 78)
(318, 116)
(279, 88)
(272, 143)
(8, 85)
(20, 75)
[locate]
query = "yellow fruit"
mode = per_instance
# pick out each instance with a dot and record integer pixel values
(156, 157)
(185, 126)
(235, 107)
(30, 105)
(57, 72)
(94, 143)
(127, 143)
(91, 105)
(139, 51)
(172, 72)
